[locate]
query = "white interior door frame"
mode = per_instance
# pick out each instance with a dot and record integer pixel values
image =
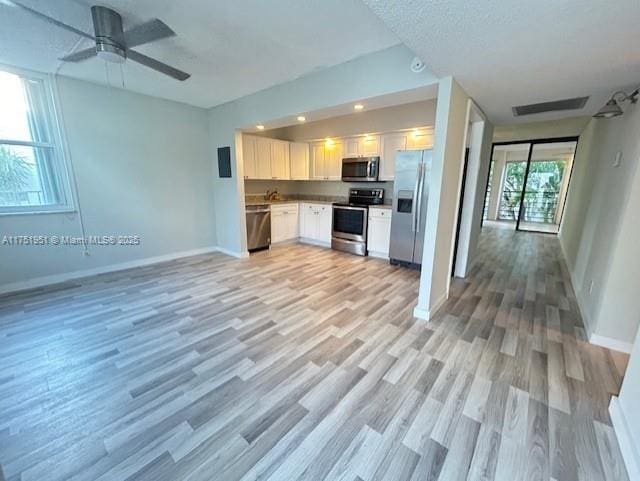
(478, 136)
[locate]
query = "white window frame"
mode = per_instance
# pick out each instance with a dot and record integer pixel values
(61, 165)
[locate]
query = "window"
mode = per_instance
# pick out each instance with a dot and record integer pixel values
(33, 177)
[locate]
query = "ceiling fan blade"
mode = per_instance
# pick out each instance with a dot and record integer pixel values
(158, 66)
(147, 32)
(80, 55)
(47, 18)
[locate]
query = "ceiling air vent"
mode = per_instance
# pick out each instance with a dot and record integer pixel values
(566, 104)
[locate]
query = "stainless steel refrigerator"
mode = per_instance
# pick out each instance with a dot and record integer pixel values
(410, 200)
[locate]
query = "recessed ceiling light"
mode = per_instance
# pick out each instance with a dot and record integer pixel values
(301, 118)
(260, 127)
(358, 107)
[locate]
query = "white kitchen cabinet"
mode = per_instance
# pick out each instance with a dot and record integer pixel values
(325, 219)
(315, 223)
(263, 158)
(317, 161)
(326, 160)
(333, 159)
(391, 144)
(379, 232)
(249, 157)
(365, 146)
(352, 147)
(299, 160)
(280, 160)
(420, 139)
(284, 222)
(370, 146)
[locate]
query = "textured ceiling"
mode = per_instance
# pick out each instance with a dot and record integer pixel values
(507, 53)
(231, 48)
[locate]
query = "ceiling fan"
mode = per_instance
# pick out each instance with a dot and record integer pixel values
(112, 43)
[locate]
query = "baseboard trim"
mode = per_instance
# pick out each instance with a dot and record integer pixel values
(229, 252)
(421, 313)
(378, 255)
(625, 440)
(427, 314)
(598, 340)
(610, 343)
(68, 276)
(313, 242)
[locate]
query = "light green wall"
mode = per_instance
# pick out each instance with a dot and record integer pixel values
(143, 168)
(600, 227)
(570, 127)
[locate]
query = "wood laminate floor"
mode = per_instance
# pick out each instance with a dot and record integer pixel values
(306, 364)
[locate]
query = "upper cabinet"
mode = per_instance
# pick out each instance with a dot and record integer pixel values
(334, 153)
(352, 147)
(326, 160)
(263, 158)
(420, 139)
(266, 158)
(249, 157)
(317, 160)
(391, 143)
(370, 146)
(367, 146)
(280, 159)
(299, 160)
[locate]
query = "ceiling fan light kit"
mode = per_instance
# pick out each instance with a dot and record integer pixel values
(107, 25)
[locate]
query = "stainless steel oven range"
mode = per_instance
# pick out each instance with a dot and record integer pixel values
(349, 225)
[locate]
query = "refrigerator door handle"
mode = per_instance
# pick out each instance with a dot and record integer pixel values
(414, 206)
(419, 200)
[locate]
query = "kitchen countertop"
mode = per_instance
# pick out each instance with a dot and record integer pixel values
(289, 201)
(320, 199)
(308, 201)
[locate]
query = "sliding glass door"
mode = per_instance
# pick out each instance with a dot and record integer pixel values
(528, 183)
(545, 186)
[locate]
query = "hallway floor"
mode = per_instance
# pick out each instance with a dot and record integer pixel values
(303, 363)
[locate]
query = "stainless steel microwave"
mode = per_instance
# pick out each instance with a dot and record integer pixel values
(360, 169)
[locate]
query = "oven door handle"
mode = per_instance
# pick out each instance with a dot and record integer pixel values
(348, 207)
(414, 206)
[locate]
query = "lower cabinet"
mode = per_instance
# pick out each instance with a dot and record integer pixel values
(284, 222)
(379, 232)
(315, 222)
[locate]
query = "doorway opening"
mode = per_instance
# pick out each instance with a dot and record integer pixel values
(528, 183)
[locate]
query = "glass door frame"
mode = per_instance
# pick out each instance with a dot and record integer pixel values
(532, 143)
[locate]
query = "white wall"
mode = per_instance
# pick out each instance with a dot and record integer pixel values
(398, 117)
(369, 76)
(143, 168)
(626, 416)
(444, 184)
(571, 127)
(600, 228)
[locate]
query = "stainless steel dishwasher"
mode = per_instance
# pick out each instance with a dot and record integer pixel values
(258, 226)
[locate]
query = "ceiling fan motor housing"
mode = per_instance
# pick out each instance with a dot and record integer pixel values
(107, 25)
